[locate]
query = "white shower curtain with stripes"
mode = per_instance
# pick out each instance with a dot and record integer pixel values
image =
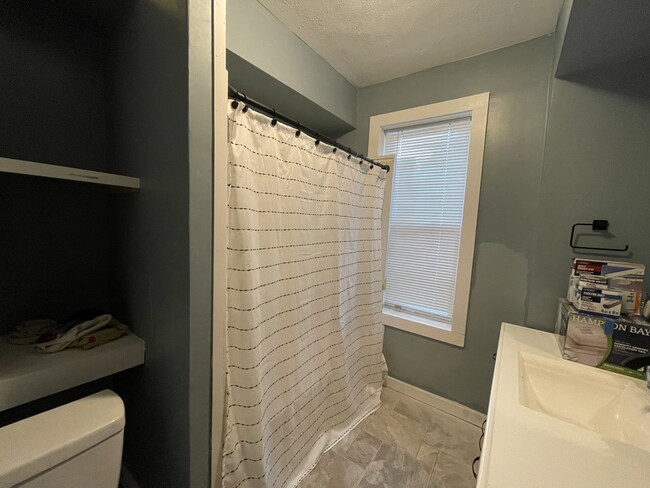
(304, 338)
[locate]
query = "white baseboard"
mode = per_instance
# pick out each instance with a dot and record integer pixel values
(127, 480)
(447, 406)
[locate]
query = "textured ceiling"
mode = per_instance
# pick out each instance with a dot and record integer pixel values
(370, 41)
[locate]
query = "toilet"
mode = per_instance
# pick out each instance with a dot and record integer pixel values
(77, 445)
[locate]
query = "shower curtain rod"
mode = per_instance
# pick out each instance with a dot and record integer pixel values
(275, 116)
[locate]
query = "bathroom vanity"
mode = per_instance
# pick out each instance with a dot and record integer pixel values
(552, 422)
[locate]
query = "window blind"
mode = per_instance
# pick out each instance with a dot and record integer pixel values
(426, 214)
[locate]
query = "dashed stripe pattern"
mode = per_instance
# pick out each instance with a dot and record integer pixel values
(305, 214)
(304, 333)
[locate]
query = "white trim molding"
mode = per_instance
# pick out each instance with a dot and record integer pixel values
(220, 245)
(421, 326)
(448, 406)
(476, 107)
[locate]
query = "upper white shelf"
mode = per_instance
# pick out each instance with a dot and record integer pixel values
(66, 173)
(27, 375)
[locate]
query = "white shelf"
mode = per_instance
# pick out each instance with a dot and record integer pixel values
(66, 173)
(27, 375)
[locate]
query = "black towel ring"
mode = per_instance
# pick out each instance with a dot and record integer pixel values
(596, 225)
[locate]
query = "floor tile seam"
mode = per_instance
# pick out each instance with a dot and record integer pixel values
(437, 459)
(429, 478)
(348, 459)
(427, 425)
(343, 454)
(447, 453)
(469, 445)
(430, 472)
(411, 419)
(399, 447)
(365, 471)
(456, 458)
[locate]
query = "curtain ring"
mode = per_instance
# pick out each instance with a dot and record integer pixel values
(274, 121)
(234, 104)
(317, 142)
(245, 109)
(298, 131)
(333, 150)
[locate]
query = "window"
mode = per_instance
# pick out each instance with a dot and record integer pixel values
(430, 213)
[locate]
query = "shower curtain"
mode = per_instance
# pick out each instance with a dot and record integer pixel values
(304, 334)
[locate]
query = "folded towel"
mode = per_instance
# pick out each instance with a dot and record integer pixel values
(81, 316)
(66, 339)
(100, 337)
(29, 331)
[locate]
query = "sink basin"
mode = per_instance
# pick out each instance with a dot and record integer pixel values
(556, 423)
(614, 407)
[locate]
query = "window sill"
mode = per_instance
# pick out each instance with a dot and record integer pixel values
(422, 327)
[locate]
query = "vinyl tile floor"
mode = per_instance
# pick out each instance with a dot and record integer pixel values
(404, 444)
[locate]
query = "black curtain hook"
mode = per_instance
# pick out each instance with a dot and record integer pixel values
(317, 142)
(274, 121)
(334, 150)
(245, 109)
(234, 104)
(298, 131)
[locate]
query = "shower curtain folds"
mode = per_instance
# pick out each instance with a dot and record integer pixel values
(304, 332)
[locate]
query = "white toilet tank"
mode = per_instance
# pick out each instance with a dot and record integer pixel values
(78, 445)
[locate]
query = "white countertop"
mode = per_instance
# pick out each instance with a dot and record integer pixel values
(525, 448)
(27, 375)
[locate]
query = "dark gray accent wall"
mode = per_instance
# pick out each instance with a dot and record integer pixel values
(54, 241)
(149, 94)
(124, 88)
(52, 85)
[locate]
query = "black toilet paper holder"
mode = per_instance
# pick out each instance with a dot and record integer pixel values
(596, 225)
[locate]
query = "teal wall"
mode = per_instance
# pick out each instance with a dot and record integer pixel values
(595, 167)
(283, 62)
(518, 81)
(557, 152)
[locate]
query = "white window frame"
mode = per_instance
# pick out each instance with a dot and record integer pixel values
(475, 106)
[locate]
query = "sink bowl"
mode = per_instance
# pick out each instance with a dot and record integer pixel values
(614, 407)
